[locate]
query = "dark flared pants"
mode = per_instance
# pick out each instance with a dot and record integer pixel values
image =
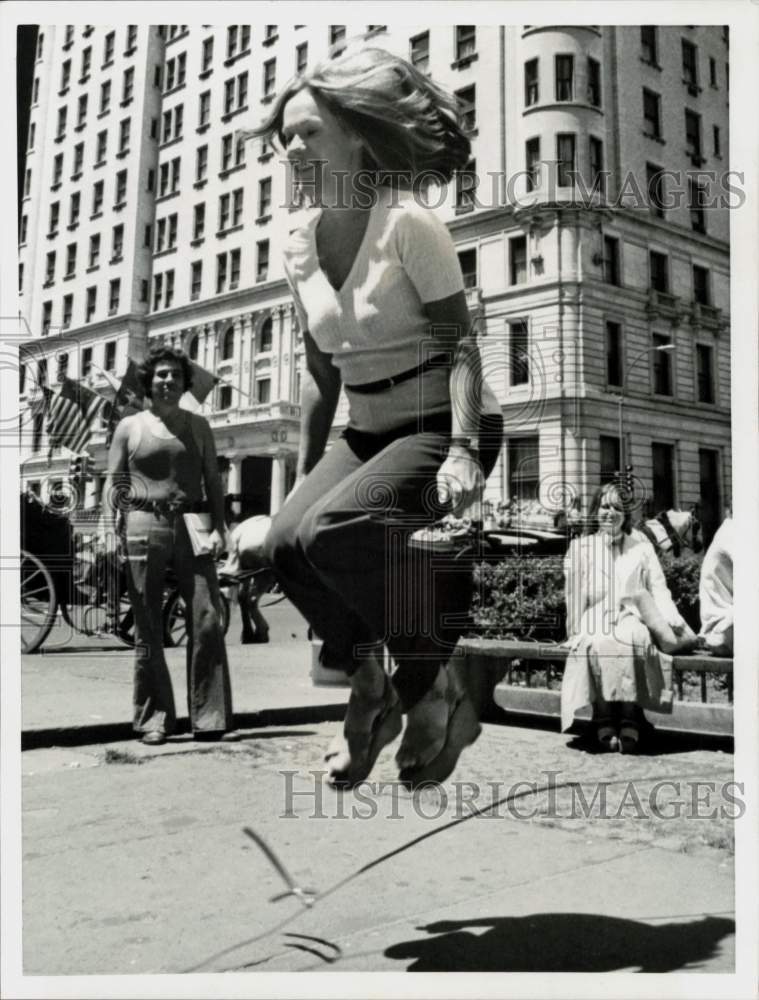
(340, 548)
(154, 542)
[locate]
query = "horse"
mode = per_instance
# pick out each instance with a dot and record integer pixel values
(247, 563)
(673, 530)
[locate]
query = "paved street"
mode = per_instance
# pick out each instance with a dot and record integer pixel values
(135, 859)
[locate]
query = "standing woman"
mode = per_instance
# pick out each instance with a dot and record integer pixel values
(158, 462)
(379, 296)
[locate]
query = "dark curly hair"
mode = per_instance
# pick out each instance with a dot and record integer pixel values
(146, 370)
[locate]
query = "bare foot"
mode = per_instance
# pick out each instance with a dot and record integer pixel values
(426, 726)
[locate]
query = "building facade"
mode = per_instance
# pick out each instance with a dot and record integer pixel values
(591, 224)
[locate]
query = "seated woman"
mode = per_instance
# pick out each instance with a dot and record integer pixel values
(622, 624)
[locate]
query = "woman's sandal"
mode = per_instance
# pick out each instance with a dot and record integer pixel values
(608, 738)
(370, 724)
(628, 737)
(462, 730)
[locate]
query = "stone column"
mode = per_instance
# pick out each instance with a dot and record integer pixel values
(278, 481)
(234, 481)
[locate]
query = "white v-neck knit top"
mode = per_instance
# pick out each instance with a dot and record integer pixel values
(374, 326)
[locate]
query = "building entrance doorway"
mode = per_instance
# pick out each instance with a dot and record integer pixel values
(255, 486)
(710, 507)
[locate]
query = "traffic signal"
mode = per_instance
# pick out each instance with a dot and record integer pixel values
(80, 467)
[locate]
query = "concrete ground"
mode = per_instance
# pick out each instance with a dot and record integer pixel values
(135, 859)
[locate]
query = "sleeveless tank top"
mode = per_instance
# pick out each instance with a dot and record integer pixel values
(165, 466)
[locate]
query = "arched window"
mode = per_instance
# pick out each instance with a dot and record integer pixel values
(266, 334)
(228, 344)
(225, 397)
(192, 348)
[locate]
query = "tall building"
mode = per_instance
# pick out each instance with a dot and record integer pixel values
(591, 224)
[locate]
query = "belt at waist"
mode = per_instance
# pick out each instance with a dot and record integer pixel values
(383, 384)
(165, 507)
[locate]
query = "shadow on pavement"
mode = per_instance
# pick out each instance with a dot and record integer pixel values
(562, 942)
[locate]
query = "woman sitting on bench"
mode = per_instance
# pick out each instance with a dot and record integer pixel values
(622, 624)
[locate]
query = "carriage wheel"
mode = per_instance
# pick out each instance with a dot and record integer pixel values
(38, 602)
(175, 619)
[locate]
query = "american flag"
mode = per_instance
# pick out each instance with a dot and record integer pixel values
(71, 415)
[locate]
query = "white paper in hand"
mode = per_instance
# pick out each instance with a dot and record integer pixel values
(199, 529)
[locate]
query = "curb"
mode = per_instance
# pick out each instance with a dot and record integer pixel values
(117, 732)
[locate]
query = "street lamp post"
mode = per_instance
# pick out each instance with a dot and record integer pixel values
(636, 359)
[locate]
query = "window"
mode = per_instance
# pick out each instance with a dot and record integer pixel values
(32, 131)
(659, 271)
(201, 164)
(262, 260)
(524, 468)
(74, 206)
(651, 116)
(270, 33)
(611, 459)
(109, 356)
(114, 292)
(264, 197)
(419, 55)
(518, 353)
(97, 197)
(47, 316)
(175, 72)
(716, 140)
(466, 42)
(86, 62)
(157, 291)
(150, 185)
(701, 285)
(194, 348)
(221, 272)
(55, 211)
(65, 74)
(655, 181)
(565, 156)
(704, 373)
(611, 260)
(57, 169)
(196, 279)
(266, 336)
(229, 96)
(68, 309)
(532, 163)
(596, 154)
(336, 39)
(226, 151)
(224, 200)
(121, 187)
(301, 57)
(242, 91)
(148, 240)
(117, 242)
(531, 84)
(467, 110)
(206, 54)
(94, 258)
(78, 159)
(228, 344)
(50, 268)
(224, 398)
(125, 128)
(86, 361)
(270, 77)
(690, 65)
(662, 456)
(466, 187)
(237, 207)
(92, 294)
(40, 46)
(693, 136)
(594, 83)
(109, 46)
(564, 77)
(61, 127)
(697, 195)
(712, 72)
(231, 41)
(144, 288)
(240, 151)
(131, 37)
(648, 46)
(199, 221)
(204, 110)
(68, 38)
(234, 269)
(468, 264)
(169, 296)
(175, 165)
(105, 96)
(101, 147)
(27, 182)
(70, 259)
(128, 85)
(172, 239)
(263, 390)
(662, 364)
(518, 260)
(160, 235)
(23, 228)
(614, 374)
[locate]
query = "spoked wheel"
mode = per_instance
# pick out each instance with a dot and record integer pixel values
(38, 602)
(175, 619)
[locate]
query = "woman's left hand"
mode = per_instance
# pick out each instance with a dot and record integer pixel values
(460, 479)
